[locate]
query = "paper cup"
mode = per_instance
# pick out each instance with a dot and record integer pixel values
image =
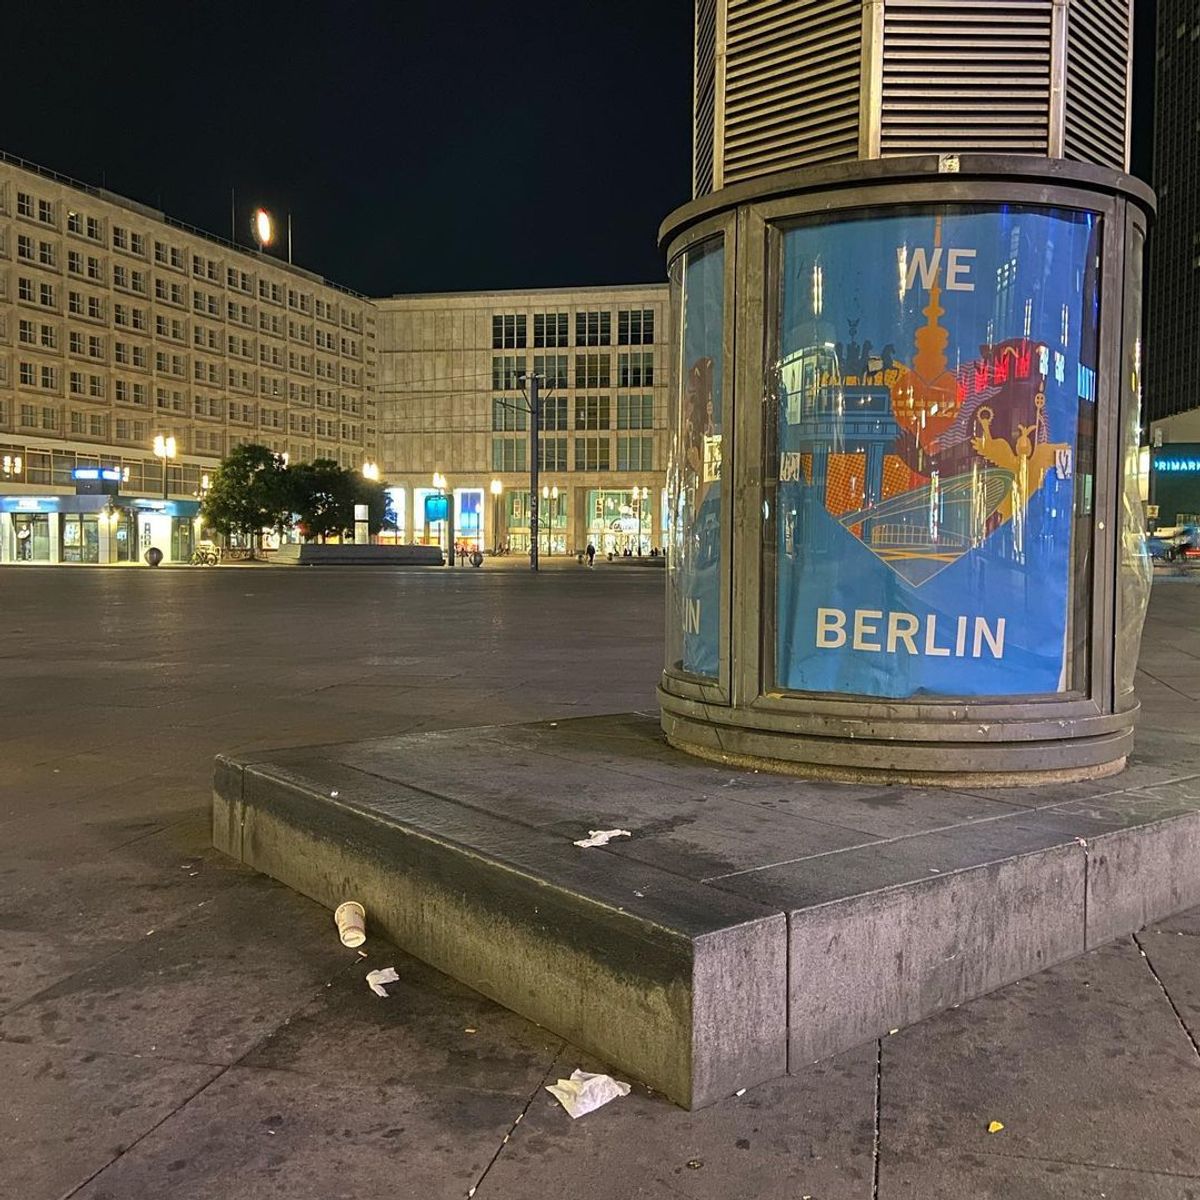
(351, 919)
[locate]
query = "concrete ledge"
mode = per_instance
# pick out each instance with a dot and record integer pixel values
(314, 554)
(749, 922)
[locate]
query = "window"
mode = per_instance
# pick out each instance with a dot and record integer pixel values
(46, 297)
(553, 413)
(591, 454)
(49, 377)
(27, 375)
(507, 372)
(74, 221)
(95, 346)
(550, 329)
(25, 247)
(552, 454)
(93, 228)
(553, 369)
(25, 289)
(76, 383)
(24, 204)
(47, 254)
(49, 418)
(141, 357)
(96, 387)
(74, 262)
(509, 454)
(508, 332)
(95, 308)
(95, 268)
(137, 281)
(592, 412)
(160, 252)
(120, 238)
(635, 412)
(76, 341)
(137, 244)
(120, 275)
(593, 329)
(635, 370)
(139, 318)
(28, 414)
(593, 371)
(46, 212)
(27, 333)
(635, 454)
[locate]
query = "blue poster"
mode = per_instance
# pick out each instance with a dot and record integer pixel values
(696, 542)
(935, 371)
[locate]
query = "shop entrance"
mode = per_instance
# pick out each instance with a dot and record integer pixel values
(32, 531)
(80, 537)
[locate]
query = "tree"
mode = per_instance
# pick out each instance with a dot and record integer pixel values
(249, 493)
(321, 494)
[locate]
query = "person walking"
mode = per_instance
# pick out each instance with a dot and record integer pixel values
(591, 554)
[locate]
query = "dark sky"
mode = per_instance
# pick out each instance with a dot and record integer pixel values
(420, 146)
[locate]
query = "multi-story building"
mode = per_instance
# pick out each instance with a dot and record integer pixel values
(118, 324)
(1173, 324)
(453, 402)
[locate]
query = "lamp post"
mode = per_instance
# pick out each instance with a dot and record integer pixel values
(497, 489)
(641, 495)
(439, 482)
(262, 225)
(370, 470)
(551, 494)
(164, 448)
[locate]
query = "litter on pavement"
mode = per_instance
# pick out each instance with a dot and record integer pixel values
(601, 837)
(584, 1092)
(351, 920)
(995, 1126)
(376, 980)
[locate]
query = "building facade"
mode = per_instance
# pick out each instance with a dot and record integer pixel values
(452, 399)
(118, 324)
(1174, 303)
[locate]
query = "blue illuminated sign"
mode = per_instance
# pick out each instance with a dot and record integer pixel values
(1177, 465)
(437, 508)
(108, 474)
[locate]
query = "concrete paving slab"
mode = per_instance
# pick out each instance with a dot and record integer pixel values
(809, 1134)
(134, 1001)
(1174, 957)
(1000, 1177)
(258, 1133)
(1118, 1084)
(66, 1113)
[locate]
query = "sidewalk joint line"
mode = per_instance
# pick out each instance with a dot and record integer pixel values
(1187, 1033)
(878, 1112)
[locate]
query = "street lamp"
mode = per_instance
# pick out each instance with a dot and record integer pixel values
(164, 448)
(262, 225)
(551, 494)
(641, 495)
(370, 470)
(497, 489)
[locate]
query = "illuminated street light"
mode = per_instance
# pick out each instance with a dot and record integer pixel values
(497, 489)
(370, 470)
(262, 225)
(164, 448)
(641, 495)
(551, 494)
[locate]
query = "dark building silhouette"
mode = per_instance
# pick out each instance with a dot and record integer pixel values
(1174, 278)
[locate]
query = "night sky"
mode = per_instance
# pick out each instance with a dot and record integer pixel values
(419, 146)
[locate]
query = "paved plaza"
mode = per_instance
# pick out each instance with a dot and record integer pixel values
(172, 1024)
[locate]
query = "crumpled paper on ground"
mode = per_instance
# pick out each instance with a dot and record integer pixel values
(584, 1092)
(376, 980)
(601, 837)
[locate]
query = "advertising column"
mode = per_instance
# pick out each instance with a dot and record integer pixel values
(935, 372)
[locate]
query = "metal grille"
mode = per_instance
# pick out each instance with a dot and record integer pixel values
(792, 72)
(705, 98)
(966, 75)
(1097, 110)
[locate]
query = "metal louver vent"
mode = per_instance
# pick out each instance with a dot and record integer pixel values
(704, 109)
(962, 75)
(792, 72)
(1098, 42)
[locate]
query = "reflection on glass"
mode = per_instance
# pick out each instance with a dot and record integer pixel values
(1134, 569)
(934, 370)
(694, 532)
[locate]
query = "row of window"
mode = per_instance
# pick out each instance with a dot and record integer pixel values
(134, 243)
(635, 327)
(634, 453)
(591, 412)
(634, 369)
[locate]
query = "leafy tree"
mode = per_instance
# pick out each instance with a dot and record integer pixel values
(249, 493)
(321, 493)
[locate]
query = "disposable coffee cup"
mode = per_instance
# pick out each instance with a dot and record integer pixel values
(351, 920)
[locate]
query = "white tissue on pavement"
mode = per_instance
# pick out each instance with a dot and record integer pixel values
(601, 837)
(584, 1092)
(376, 979)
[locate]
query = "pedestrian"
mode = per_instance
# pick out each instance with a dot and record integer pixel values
(591, 554)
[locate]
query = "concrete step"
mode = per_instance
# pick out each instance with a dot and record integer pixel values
(748, 922)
